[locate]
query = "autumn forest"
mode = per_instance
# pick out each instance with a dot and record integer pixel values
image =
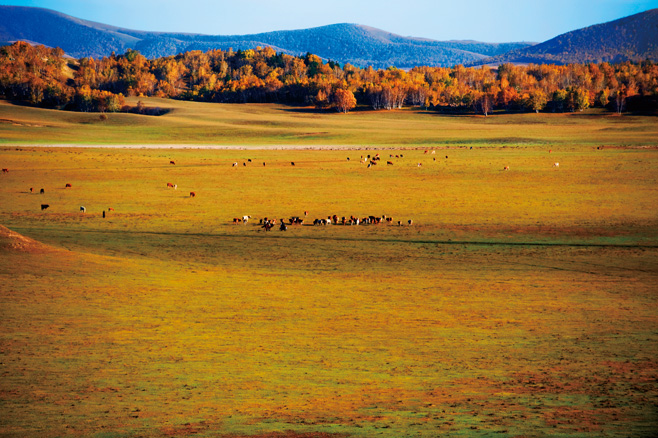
(45, 77)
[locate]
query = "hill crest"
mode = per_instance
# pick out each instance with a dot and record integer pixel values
(356, 44)
(633, 38)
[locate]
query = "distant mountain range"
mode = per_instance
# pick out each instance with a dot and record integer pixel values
(632, 37)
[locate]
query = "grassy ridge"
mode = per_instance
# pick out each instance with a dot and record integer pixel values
(191, 123)
(520, 302)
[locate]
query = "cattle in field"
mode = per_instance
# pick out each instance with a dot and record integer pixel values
(5, 170)
(410, 222)
(433, 152)
(427, 152)
(42, 191)
(263, 164)
(283, 226)
(420, 164)
(292, 163)
(556, 164)
(390, 163)
(68, 186)
(192, 194)
(249, 159)
(171, 162)
(110, 209)
(31, 189)
(245, 219)
(244, 164)
(506, 168)
(237, 220)
(170, 185)
(175, 186)
(44, 206)
(235, 164)
(389, 219)
(83, 209)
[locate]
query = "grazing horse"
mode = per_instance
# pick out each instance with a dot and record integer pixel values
(44, 206)
(110, 209)
(192, 194)
(170, 185)
(68, 186)
(5, 170)
(171, 162)
(83, 209)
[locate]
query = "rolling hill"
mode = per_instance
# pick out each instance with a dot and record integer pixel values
(632, 38)
(346, 43)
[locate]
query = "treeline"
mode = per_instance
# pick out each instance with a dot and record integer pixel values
(45, 77)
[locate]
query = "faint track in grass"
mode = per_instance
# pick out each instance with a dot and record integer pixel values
(275, 235)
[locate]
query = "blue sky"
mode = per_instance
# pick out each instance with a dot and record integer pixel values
(481, 20)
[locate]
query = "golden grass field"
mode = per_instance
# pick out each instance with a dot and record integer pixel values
(519, 303)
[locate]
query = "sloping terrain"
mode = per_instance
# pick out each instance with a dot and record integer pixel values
(345, 43)
(12, 241)
(633, 38)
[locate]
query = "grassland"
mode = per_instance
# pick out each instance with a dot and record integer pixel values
(520, 303)
(194, 123)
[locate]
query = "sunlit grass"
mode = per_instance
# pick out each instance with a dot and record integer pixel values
(519, 303)
(190, 123)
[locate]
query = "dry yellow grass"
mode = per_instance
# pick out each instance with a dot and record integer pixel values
(520, 303)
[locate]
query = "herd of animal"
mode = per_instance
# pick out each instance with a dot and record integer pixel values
(268, 223)
(370, 160)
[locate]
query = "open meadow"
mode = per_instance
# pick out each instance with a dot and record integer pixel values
(520, 302)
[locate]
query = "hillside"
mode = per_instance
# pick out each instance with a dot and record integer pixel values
(632, 38)
(346, 43)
